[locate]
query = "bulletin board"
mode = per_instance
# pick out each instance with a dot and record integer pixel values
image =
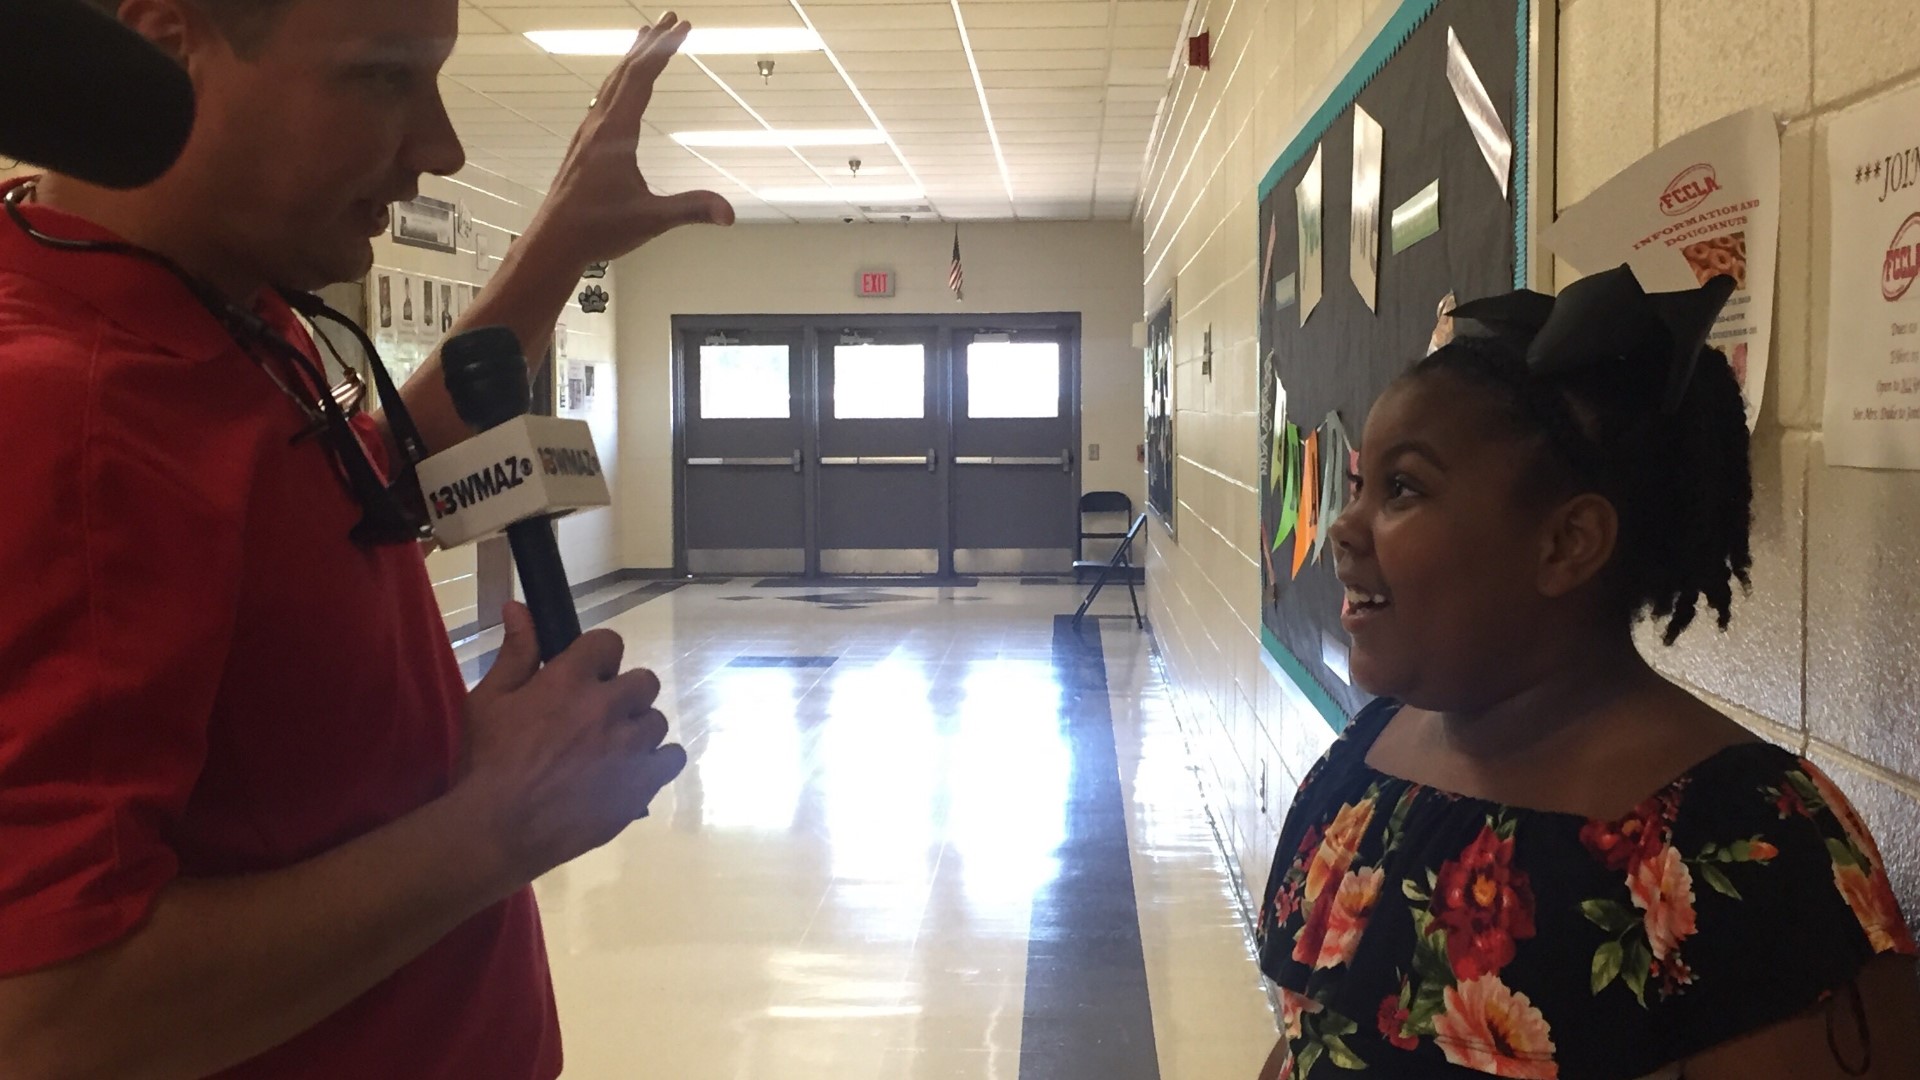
(1414, 95)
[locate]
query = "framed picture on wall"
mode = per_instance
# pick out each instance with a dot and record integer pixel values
(425, 223)
(1160, 414)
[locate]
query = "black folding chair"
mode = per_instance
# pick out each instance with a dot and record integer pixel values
(1121, 560)
(1117, 503)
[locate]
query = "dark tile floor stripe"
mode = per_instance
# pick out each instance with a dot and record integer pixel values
(869, 583)
(476, 669)
(783, 661)
(1087, 1010)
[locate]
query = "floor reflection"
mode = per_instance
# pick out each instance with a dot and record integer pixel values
(844, 883)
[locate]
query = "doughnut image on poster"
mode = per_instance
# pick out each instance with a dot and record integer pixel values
(1720, 255)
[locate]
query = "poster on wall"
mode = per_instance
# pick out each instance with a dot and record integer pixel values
(1457, 235)
(1701, 206)
(1873, 346)
(1160, 452)
(409, 314)
(427, 223)
(380, 313)
(429, 307)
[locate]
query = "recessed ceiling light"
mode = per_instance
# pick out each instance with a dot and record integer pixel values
(710, 41)
(777, 138)
(852, 196)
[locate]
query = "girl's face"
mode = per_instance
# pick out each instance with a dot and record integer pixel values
(1440, 555)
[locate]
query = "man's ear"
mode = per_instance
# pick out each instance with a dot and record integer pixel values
(1578, 543)
(178, 28)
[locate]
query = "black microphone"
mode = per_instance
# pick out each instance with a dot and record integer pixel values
(88, 97)
(487, 376)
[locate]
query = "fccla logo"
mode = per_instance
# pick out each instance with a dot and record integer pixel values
(1903, 260)
(1691, 188)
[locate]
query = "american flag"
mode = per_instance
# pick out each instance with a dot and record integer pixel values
(956, 276)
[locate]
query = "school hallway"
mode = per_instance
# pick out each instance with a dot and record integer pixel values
(927, 832)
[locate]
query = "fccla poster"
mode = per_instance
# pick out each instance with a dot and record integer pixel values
(1704, 205)
(1873, 344)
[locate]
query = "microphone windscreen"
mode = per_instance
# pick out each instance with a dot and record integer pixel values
(88, 97)
(487, 376)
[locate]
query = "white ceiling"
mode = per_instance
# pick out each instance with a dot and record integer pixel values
(1071, 88)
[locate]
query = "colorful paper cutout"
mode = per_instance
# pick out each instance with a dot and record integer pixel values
(1335, 489)
(1309, 528)
(1289, 492)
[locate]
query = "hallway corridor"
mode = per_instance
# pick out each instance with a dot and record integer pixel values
(927, 834)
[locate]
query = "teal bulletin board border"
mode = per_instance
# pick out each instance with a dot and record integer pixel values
(1386, 44)
(1389, 41)
(1296, 672)
(1522, 139)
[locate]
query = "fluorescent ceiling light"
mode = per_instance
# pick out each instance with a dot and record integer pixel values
(849, 195)
(764, 138)
(711, 41)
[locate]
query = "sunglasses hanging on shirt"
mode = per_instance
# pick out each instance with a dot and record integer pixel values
(392, 512)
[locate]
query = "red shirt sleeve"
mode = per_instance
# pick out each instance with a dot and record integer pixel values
(119, 578)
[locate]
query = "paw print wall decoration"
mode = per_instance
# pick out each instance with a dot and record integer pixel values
(594, 300)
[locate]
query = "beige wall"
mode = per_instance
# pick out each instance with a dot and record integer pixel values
(1825, 653)
(1093, 269)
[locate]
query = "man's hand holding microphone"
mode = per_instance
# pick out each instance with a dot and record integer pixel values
(561, 758)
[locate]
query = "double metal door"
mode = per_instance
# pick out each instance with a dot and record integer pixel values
(743, 468)
(1016, 483)
(897, 448)
(882, 505)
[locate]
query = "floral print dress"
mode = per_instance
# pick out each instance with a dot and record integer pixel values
(1413, 932)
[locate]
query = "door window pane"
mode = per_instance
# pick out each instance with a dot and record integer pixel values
(1013, 380)
(880, 382)
(744, 382)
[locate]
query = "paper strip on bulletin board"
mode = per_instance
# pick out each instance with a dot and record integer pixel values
(1873, 346)
(1369, 151)
(1310, 200)
(1705, 204)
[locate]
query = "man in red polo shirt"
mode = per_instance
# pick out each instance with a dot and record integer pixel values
(250, 822)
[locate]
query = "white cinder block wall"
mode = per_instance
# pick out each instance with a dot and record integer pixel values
(1826, 653)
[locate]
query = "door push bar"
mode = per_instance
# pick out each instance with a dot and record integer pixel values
(793, 462)
(1064, 462)
(930, 459)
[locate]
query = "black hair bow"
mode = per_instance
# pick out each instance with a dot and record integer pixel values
(1606, 319)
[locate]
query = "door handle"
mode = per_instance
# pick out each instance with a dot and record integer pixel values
(927, 459)
(1064, 461)
(745, 462)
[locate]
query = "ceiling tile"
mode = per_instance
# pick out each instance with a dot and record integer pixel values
(1075, 88)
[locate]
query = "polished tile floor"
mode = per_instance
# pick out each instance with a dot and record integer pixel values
(926, 834)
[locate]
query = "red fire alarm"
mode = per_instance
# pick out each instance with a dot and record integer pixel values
(1200, 50)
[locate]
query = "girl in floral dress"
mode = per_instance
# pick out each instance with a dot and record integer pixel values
(1534, 856)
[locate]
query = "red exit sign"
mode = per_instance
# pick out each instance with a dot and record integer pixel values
(876, 283)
